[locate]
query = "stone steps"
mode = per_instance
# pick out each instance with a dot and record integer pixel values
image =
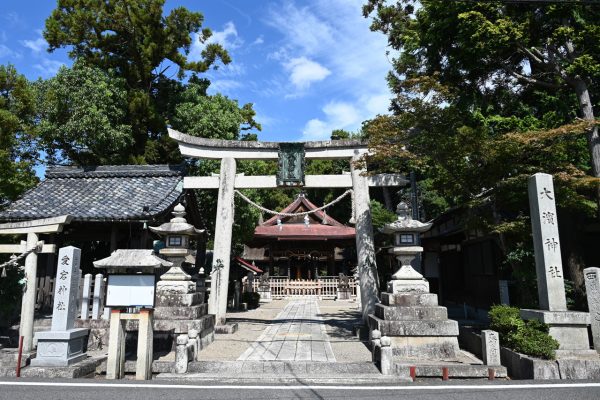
(283, 368)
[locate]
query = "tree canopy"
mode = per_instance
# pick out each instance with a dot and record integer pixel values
(134, 41)
(17, 156)
(82, 113)
(486, 94)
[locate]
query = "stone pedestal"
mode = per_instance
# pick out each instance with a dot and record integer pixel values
(180, 305)
(343, 294)
(569, 328)
(60, 348)
(265, 294)
(417, 326)
(177, 312)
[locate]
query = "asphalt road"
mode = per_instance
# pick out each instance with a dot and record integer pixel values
(24, 389)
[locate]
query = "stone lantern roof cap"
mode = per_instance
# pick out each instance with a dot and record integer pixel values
(405, 223)
(178, 225)
(132, 259)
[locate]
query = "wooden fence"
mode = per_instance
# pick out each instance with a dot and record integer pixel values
(324, 287)
(92, 292)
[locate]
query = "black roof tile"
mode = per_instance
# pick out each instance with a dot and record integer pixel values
(111, 192)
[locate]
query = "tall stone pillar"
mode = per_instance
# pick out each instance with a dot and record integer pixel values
(367, 268)
(28, 302)
(569, 328)
(548, 260)
(217, 303)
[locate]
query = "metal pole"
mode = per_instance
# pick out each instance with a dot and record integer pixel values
(18, 372)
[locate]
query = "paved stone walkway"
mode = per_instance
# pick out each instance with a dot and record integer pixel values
(296, 334)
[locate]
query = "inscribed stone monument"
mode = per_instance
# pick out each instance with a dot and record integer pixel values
(548, 262)
(63, 345)
(592, 286)
(490, 347)
(569, 328)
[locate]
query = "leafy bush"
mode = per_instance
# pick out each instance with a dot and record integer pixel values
(252, 299)
(527, 337)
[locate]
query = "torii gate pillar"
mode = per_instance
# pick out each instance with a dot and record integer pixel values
(32, 229)
(217, 302)
(365, 247)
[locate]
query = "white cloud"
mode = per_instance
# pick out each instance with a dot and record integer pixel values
(303, 72)
(223, 86)
(37, 46)
(338, 115)
(48, 67)
(13, 19)
(228, 38)
(259, 40)
(7, 52)
(334, 33)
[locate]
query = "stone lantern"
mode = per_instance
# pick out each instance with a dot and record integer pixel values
(180, 308)
(406, 249)
(177, 234)
(408, 314)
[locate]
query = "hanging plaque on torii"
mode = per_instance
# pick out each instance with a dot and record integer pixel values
(291, 164)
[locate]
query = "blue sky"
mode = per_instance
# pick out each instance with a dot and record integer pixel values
(308, 66)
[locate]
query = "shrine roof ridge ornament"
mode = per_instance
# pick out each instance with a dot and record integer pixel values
(220, 148)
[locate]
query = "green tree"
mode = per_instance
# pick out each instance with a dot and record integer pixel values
(487, 93)
(215, 117)
(17, 157)
(492, 52)
(82, 117)
(138, 43)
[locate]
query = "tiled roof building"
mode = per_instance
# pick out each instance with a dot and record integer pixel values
(104, 193)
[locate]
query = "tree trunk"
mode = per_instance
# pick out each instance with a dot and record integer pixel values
(587, 111)
(387, 198)
(585, 104)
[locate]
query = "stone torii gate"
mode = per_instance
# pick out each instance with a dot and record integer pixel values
(228, 151)
(32, 229)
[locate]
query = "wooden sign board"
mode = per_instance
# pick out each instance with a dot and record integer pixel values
(130, 291)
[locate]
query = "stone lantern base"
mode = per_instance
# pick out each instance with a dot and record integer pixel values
(417, 326)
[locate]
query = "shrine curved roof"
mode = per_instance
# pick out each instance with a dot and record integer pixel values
(321, 226)
(101, 193)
